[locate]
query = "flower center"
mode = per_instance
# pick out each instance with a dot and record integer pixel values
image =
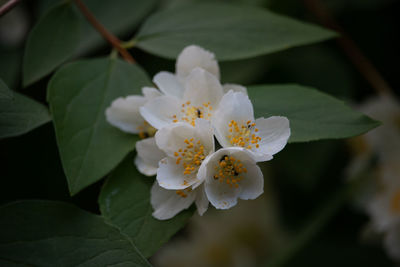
(190, 113)
(229, 170)
(146, 130)
(243, 135)
(184, 192)
(191, 156)
(395, 202)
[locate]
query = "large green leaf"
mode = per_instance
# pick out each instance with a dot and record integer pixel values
(125, 203)
(230, 31)
(18, 113)
(54, 38)
(313, 115)
(47, 233)
(79, 93)
(63, 32)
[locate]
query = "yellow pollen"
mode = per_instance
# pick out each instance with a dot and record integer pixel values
(190, 113)
(243, 135)
(146, 130)
(190, 156)
(228, 170)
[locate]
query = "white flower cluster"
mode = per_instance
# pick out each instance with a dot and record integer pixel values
(178, 124)
(383, 205)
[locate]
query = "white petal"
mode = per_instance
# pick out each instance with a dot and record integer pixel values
(203, 87)
(194, 56)
(148, 156)
(235, 88)
(124, 113)
(150, 92)
(233, 106)
(253, 182)
(171, 175)
(168, 84)
(167, 203)
(392, 242)
(201, 200)
(274, 132)
(144, 168)
(159, 111)
(220, 194)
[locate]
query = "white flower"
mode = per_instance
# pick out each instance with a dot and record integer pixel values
(186, 147)
(193, 92)
(167, 203)
(229, 174)
(234, 125)
(384, 207)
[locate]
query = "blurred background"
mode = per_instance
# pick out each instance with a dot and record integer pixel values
(305, 217)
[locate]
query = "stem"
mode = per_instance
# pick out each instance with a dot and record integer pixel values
(359, 60)
(113, 40)
(8, 6)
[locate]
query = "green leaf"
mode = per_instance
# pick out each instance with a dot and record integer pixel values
(313, 115)
(49, 233)
(63, 32)
(229, 31)
(5, 93)
(79, 93)
(125, 203)
(18, 113)
(51, 42)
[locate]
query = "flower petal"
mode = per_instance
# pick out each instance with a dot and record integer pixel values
(171, 175)
(201, 200)
(167, 203)
(144, 168)
(253, 181)
(392, 242)
(194, 56)
(202, 87)
(235, 88)
(124, 113)
(150, 92)
(169, 84)
(159, 111)
(274, 132)
(233, 106)
(148, 156)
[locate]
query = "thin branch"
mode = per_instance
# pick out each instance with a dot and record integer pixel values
(113, 40)
(359, 60)
(8, 6)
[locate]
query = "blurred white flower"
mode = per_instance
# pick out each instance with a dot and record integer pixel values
(229, 174)
(186, 147)
(382, 199)
(235, 125)
(167, 203)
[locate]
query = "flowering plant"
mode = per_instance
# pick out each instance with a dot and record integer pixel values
(178, 124)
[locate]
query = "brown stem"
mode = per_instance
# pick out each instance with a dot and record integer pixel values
(359, 60)
(113, 40)
(8, 6)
